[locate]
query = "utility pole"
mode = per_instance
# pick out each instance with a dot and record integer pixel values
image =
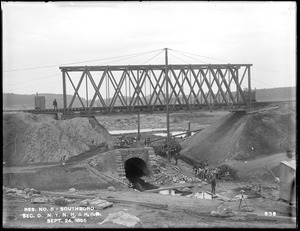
(138, 95)
(167, 107)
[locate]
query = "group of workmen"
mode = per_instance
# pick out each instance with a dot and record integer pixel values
(125, 141)
(203, 172)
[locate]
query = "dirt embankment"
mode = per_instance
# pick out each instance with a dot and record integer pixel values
(243, 137)
(29, 138)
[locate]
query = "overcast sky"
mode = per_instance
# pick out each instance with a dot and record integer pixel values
(40, 37)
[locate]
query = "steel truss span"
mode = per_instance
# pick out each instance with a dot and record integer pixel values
(125, 88)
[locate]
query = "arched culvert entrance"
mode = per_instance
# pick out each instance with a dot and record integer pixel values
(135, 168)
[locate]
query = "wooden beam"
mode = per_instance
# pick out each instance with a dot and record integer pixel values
(170, 187)
(219, 196)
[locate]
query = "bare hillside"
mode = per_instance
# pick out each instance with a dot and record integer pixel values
(243, 137)
(29, 138)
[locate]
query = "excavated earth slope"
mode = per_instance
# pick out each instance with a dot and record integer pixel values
(243, 137)
(29, 138)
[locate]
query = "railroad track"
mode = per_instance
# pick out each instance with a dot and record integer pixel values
(80, 111)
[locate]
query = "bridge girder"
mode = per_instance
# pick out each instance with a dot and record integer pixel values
(143, 85)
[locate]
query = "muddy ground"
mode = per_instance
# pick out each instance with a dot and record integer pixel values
(180, 211)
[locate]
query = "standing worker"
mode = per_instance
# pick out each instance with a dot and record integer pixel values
(213, 186)
(176, 157)
(55, 104)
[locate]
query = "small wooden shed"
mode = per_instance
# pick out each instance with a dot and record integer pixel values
(39, 102)
(287, 174)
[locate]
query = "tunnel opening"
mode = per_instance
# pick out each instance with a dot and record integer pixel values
(135, 168)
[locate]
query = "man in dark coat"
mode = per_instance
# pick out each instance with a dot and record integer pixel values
(213, 186)
(55, 104)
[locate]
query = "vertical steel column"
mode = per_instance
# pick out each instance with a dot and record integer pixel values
(167, 107)
(249, 86)
(64, 91)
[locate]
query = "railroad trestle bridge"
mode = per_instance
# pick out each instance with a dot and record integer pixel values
(130, 88)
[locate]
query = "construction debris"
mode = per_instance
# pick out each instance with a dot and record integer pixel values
(202, 195)
(25, 194)
(61, 201)
(73, 190)
(122, 218)
(40, 200)
(97, 203)
(223, 211)
(111, 188)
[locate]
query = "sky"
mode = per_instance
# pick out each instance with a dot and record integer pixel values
(40, 37)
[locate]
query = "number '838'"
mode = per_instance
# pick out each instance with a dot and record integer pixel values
(270, 213)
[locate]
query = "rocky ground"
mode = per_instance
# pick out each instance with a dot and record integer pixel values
(131, 208)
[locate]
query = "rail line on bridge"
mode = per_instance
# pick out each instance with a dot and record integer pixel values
(143, 109)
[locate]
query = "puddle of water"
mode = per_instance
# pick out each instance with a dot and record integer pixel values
(117, 132)
(162, 131)
(199, 195)
(169, 192)
(202, 195)
(174, 133)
